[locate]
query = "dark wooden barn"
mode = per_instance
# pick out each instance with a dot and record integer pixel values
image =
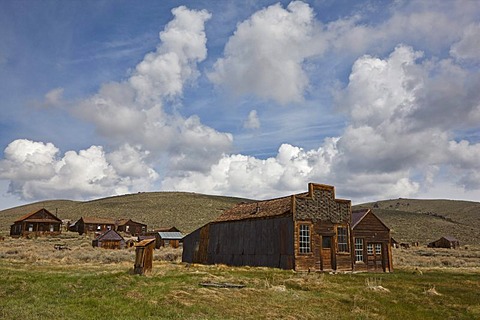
(308, 231)
(445, 242)
(110, 239)
(372, 242)
(37, 223)
(132, 227)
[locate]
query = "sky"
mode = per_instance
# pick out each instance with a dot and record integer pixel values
(247, 98)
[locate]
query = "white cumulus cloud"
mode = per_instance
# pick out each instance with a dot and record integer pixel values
(266, 53)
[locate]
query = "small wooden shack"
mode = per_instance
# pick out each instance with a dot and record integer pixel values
(445, 242)
(144, 256)
(110, 239)
(170, 239)
(168, 236)
(38, 223)
(372, 242)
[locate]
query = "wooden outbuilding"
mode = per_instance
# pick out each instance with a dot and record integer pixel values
(372, 242)
(170, 238)
(132, 227)
(38, 223)
(144, 256)
(306, 232)
(445, 242)
(110, 239)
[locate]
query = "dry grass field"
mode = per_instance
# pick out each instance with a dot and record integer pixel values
(82, 282)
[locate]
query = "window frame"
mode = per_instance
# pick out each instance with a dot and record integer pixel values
(342, 246)
(359, 250)
(304, 240)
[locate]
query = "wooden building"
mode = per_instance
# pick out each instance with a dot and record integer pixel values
(372, 247)
(37, 223)
(109, 239)
(445, 242)
(170, 238)
(96, 225)
(132, 227)
(93, 225)
(306, 232)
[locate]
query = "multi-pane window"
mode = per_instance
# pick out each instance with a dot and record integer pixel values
(378, 248)
(304, 238)
(342, 239)
(359, 250)
(370, 248)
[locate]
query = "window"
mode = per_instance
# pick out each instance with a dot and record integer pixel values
(304, 238)
(30, 227)
(378, 248)
(359, 250)
(342, 239)
(370, 248)
(51, 227)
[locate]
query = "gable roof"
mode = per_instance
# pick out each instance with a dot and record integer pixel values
(110, 235)
(449, 238)
(94, 220)
(122, 222)
(360, 214)
(260, 209)
(29, 217)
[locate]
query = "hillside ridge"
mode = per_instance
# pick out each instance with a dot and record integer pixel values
(410, 220)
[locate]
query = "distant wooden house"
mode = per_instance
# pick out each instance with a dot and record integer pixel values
(308, 231)
(37, 223)
(170, 239)
(445, 242)
(372, 242)
(93, 225)
(109, 239)
(164, 237)
(132, 227)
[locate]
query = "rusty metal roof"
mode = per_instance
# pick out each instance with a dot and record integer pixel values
(94, 220)
(358, 215)
(110, 235)
(260, 209)
(28, 215)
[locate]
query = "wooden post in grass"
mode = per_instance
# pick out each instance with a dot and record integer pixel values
(144, 256)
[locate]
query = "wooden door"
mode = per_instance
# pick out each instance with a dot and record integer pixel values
(375, 256)
(326, 253)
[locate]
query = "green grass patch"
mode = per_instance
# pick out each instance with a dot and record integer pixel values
(173, 291)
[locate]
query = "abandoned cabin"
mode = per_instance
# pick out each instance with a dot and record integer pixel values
(310, 231)
(109, 239)
(95, 225)
(445, 242)
(132, 227)
(37, 223)
(372, 242)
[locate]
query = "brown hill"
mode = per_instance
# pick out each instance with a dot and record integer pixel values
(427, 220)
(186, 211)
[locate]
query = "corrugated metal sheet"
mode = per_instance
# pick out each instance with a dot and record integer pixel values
(171, 235)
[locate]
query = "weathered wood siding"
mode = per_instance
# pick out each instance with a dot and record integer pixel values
(255, 242)
(373, 231)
